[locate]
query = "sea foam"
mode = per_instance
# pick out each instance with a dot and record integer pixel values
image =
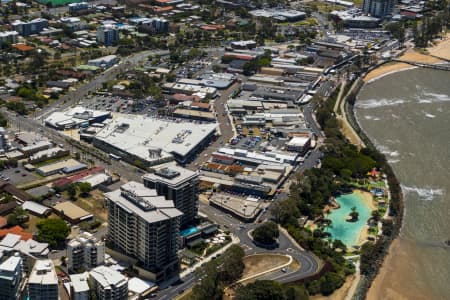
(428, 97)
(424, 193)
(374, 103)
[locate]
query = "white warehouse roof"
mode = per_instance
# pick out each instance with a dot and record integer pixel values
(35, 207)
(154, 138)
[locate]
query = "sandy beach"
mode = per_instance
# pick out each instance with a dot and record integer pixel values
(413, 55)
(388, 285)
(398, 277)
(386, 69)
(367, 198)
(410, 55)
(441, 49)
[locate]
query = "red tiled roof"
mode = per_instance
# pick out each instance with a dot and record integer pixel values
(157, 9)
(200, 105)
(23, 47)
(25, 236)
(78, 176)
(212, 27)
(222, 157)
(239, 56)
(182, 97)
(3, 222)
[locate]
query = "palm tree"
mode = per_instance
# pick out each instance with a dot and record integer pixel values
(354, 214)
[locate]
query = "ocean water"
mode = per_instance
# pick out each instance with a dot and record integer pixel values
(407, 116)
(348, 232)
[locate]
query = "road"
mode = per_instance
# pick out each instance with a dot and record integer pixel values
(74, 97)
(225, 127)
(308, 262)
(88, 152)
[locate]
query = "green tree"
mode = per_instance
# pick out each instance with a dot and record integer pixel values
(397, 30)
(52, 231)
(218, 273)
(266, 233)
(85, 188)
(354, 214)
(12, 220)
(260, 290)
(72, 191)
(330, 282)
(17, 217)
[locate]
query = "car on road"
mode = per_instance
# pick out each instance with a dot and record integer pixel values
(284, 270)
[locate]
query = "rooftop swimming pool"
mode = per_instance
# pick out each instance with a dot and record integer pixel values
(188, 231)
(348, 232)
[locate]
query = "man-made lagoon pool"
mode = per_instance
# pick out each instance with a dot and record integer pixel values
(348, 232)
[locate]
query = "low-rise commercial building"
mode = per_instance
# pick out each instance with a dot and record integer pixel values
(104, 62)
(36, 208)
(189, 89)
(76, 117)
(256, 158)
(244, 208)
(71, 212)
(300, 144)
(241, 45)
(278, 14)
(47, 154)
(65, 166)
(30, 149)
(152, 141)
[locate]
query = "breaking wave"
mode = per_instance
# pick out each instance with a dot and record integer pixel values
(434, 97)
(386, 151)
(393, 161)
(374, 103)
(372, 118)
(426, 194)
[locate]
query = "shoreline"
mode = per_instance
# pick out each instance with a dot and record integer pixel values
(396, 204)
(411, 55)
(441, 49)
(386, 73)
(369, 286)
